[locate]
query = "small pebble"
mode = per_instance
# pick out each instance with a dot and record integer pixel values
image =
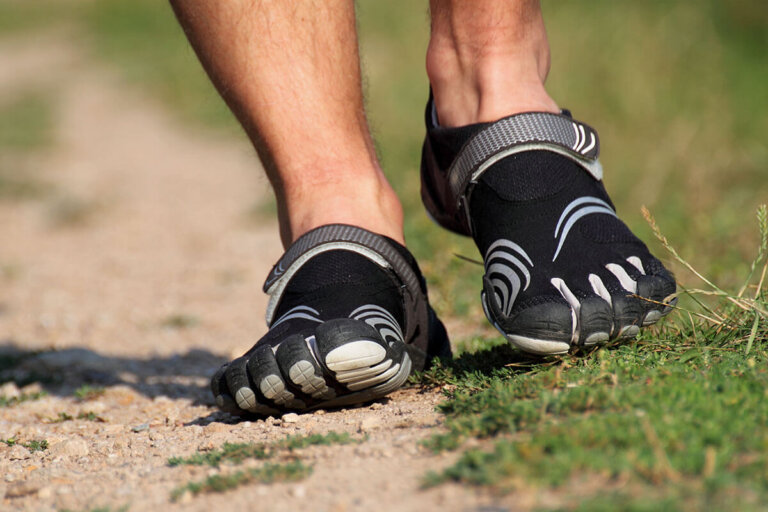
(291, 417)
(140, 428)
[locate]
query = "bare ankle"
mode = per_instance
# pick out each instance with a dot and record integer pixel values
(362, 199)
(487, 60)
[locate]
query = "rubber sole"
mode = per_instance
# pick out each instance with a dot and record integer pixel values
(345, 362)
(547, 347)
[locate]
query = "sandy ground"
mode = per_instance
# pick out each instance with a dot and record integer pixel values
(141, 273)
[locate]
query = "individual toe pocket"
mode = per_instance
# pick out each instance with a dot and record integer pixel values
(545, 328)
(269, 381)
(299, 364)
(628, 312)
(653, 291)
(221, 394)
(595, 321)
(240, 387)
(356, 355)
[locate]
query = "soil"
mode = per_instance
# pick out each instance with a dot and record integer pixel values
(140, 272)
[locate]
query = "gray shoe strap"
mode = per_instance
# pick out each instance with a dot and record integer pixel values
(524, 132)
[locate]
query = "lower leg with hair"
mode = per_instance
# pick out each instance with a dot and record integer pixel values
(502, 163)
(290, 72)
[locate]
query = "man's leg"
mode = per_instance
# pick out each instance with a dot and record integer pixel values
(487, 59)
(503, 164)
(290, 72)
(348, 312)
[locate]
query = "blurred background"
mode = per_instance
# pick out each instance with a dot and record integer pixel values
(677, 90)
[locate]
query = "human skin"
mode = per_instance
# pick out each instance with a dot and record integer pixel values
(290, 72)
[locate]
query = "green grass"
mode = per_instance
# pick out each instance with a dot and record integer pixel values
(269, 473)
(292, 443)
(87, 392)
(233, 454)
(26, 125)
(236, 453)
(6, 401)
(677, 414)
(87, 416)
(180, 321)
(677, 91)
(19, 16)
(26, 121)
(32, 446)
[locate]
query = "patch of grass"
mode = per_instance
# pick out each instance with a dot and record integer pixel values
(32, 446)
(21, 15)
(269, 473)
(680, 409)
(87, 392)
(297, 442)
(229, 452)
(6, 401)
(236, 453)
(26, 122)
(90, 416)
(61, 418)
(87, 416)
(180, 321)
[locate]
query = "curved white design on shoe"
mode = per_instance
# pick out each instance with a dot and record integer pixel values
(502, 242)
(497, 262)
(305, 312)
(581, 138)
(354, 355)
(568, 295)
(514, 261)
(599, 288)
(635, 262)
(584, 206)
(377, 316)
(625, 280)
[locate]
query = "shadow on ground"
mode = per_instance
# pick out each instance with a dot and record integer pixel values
(61, 372)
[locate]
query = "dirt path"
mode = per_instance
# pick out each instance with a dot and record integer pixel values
(141, 273)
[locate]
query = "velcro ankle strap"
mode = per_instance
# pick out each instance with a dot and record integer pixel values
(524, 132)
